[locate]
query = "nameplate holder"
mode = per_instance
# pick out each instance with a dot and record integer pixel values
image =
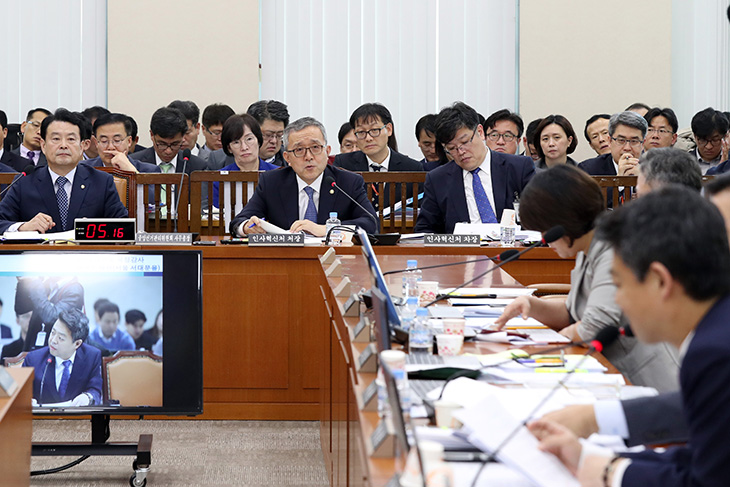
(276, 240)
(328, 257)
(382, 441)
(367, 362)
(361, 332)
(334, 270)
(369, 398)
(344, 288)
(451, 240)
(8, 386)
(163, 238)
(351, 308)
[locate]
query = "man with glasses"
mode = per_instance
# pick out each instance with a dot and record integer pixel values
(627, 131)
(113, 138)
(299, 197)
(214, 116)
(31, 130)
(710, 129)
(192, 117)
(503, 130)
(662, 131)
(478, 185)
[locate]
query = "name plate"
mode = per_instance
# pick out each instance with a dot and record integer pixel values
(370, 393)
(276, 239)
(452, 239)
(377, 439)
(366, 355)
(164, 238)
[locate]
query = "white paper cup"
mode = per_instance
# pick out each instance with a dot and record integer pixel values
(427, 291)
(445, 414)
(395, 359)
(454, 326)
(449, 345)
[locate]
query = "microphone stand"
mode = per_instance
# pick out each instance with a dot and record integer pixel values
(177, 201)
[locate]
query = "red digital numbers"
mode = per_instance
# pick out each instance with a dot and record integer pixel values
(99, 231)
(119, 233)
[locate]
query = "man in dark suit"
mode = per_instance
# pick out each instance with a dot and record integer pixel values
(214, 116)
(680, 298)
(23, 313)
(52, 197)
(9, 161)
(627, 131)
(433, 153)
(31, 147)
(478, 185)
(299, 197)
(67, 370)
(113, 138)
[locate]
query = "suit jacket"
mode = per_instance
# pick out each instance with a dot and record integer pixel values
(655, 419)
(721, 168)
(48, 298)
(195, 163)
(599, 166)
(276, 199)
(139, 165)
(42, 161)
(93, 196)
(444, 199)
(13, 161)
(85, 375)
(358, 161)
(431, 165)
(704, 376)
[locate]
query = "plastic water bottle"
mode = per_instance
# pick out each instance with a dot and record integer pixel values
(333, 221)
(411, 277)
(408, 313)
(420, 337)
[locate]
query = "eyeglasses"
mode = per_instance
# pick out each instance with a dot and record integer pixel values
(348, 145)
(624, 141)
(462, 146)
(273, 135)
(106, 142)
(214, 133)
(299, 152)
(372, 132)
(507, 137)
(175, 146)
(713, 141)
(661, 132)
(249, 140)
(35, 123)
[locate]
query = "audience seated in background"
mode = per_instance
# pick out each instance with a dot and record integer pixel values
(214, 116)
(433, 153)
(135, 320)
(503, 130)
(596, 132)
(113, 138)
(528, 140)
(134, 146)
(14, 348)
(154, 334)
(92, 114)
(662, 131)
(192, 117)
(9, 161)
(299, 197)
(640, 108)
(553, 140)
(273, 117)
(31, 129)
(346, 137)
(665, 165)
(478, 185)
(107, 336)
(710, 129)
(627, 131)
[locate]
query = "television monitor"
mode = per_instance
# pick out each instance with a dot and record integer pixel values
(44, 289)
(380, 314)
(378, 278)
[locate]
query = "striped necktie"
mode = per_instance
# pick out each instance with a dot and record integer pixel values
(480, 196)
(62, 199)
(311, 212)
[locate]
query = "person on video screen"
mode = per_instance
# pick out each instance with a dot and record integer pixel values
(107, 336)
(67, 371)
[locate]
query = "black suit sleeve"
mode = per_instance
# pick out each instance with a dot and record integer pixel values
(430, 217)
(656, 419)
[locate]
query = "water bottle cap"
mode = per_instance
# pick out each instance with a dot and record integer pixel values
(421, 312)
(412, 300)
(412, 263)
(333, 214)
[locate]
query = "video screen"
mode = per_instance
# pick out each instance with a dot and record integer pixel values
(89, 323)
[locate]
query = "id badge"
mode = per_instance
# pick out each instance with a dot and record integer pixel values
(40, 339)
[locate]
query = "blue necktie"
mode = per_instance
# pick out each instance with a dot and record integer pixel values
(31, 156)
(64, 379)
(311, 211)
(480, 196)
(62, 199)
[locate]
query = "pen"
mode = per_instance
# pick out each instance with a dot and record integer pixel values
(253, 224)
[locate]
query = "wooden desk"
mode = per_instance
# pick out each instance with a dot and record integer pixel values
(16, 428)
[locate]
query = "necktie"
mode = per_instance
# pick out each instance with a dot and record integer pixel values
(311, 211)
(31, 156)
(62, 199)
(166, 168)
(375, 186)
(376, 167)
(64, 379)
(485, 209)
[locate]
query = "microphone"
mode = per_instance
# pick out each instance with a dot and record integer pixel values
(330, 181)
(185, 158)
(499, 258)
(550, 236)
(26, 171)
(626, 331)
(43, 380)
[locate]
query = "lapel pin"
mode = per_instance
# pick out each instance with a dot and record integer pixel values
(83, 186)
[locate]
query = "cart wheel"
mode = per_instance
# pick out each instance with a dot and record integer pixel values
(136, 483)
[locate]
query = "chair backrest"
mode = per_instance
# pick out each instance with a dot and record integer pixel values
(5, 179)
(126, 184)
(615, 197)
(134, 378)
(16, 361)
(235, 188)
(155, 196)
(400, 214)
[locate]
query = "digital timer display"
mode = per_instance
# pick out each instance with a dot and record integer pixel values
(111, 230)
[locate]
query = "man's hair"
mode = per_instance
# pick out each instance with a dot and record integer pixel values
(111, 118)
(630, 119)
(98, 303)
(507, 115)
(133, 316)
(233, 130)
(636, 106)
(107, 307)
(717, 185)
(563, 123)
(92, 113)
(134, 129)
(666, 165)
(452, 119)
(188, 108)
(76, 322)
(269, 110)
(216, 114)
(595, 117)
(3, 120)
(31, 112)
(562, 195)
(531, 128)
(74, 118)
(301, 124)
(667, 113)
(368, 113)
(168, 122)
(344, 129)
(678, 228)
(427, 123)
(705, 122)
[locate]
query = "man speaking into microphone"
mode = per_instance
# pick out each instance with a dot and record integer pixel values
(300, 197)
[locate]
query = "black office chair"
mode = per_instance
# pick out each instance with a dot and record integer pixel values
(14, 138)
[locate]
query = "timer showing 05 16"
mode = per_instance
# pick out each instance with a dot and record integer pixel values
(94, 230)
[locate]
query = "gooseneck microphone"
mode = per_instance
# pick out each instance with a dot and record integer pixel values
(29, 169)
(185, 157)
(499, 258)
(550, 236)
(330, 181)
(43, 380)
(626, 331)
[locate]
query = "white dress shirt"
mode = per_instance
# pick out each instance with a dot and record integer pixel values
(383, 165)
(304, 199)
(485, 175)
